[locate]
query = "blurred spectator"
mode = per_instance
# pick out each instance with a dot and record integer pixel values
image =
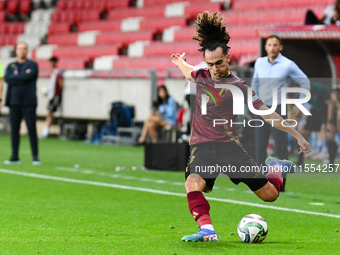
(323, 113)
(165, 115)
(331, 15)
(21, 98)
(272, 72)
(54, 95)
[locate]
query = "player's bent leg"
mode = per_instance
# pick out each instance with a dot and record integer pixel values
(199, 209)
(194, 182)
(267, 193)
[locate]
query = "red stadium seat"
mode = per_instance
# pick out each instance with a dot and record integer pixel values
(165, 2)
(159, 63)
(86, 51)
(156, 11)
(3, 28)
(66, 39)
(65, 63)
(8, 40)
(111, 4)
(2, 16)
(70, 5)
(124, 37)
(67, 16)
(15, 28)
(185, 33)
(166, 49)
(239, 47)
(88, 15)
(195, 8)
(61, 4)
(55, 17)
(79, 4)
(107, 26)
(25, 6)
(76, 15)
(161, 23)
(59, 28)
(2, 5)
(12, 6)
(99, 4)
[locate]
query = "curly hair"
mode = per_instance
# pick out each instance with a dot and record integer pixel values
(211, 32)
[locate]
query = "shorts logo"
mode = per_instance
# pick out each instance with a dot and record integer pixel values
(191, 159)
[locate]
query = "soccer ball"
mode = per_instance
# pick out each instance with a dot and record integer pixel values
(252, 228)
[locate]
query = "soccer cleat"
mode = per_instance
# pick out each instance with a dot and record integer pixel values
(12, 161)
(204, 235)
(287, 166)
(36, 162)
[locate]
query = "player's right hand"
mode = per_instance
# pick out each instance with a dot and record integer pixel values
(177, 58)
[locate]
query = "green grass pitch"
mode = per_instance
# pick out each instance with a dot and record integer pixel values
(42, 215)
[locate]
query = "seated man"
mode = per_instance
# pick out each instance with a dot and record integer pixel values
(166, 115)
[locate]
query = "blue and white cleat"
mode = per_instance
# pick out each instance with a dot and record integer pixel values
(204, 235)
(287, 166)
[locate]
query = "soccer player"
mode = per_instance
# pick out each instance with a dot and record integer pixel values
(219, 145)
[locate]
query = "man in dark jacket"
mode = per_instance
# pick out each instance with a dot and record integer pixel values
(21, 77)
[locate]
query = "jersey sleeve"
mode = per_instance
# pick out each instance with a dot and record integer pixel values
(193, 75)
(198, 73)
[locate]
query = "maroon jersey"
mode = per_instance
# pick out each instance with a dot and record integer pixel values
(218, 107)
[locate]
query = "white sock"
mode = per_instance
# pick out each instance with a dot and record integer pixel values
(208, 226)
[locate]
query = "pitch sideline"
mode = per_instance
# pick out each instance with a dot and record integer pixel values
(103, 184)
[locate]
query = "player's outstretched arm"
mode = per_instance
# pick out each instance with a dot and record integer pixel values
(180, 61)
(278, 122)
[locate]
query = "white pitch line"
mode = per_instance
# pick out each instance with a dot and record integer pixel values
(55, 178)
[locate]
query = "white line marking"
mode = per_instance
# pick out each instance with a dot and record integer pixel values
(55, 178)
(67, 169)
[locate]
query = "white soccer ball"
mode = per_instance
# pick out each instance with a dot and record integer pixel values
(252, 228)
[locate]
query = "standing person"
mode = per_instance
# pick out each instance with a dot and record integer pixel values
(21, 77)
(271, 72)
(219, 145)
(54, 95)
(1, 84)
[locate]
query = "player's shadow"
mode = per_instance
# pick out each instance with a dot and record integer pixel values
(264, 242)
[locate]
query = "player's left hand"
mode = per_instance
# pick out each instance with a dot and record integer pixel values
(304, 145)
